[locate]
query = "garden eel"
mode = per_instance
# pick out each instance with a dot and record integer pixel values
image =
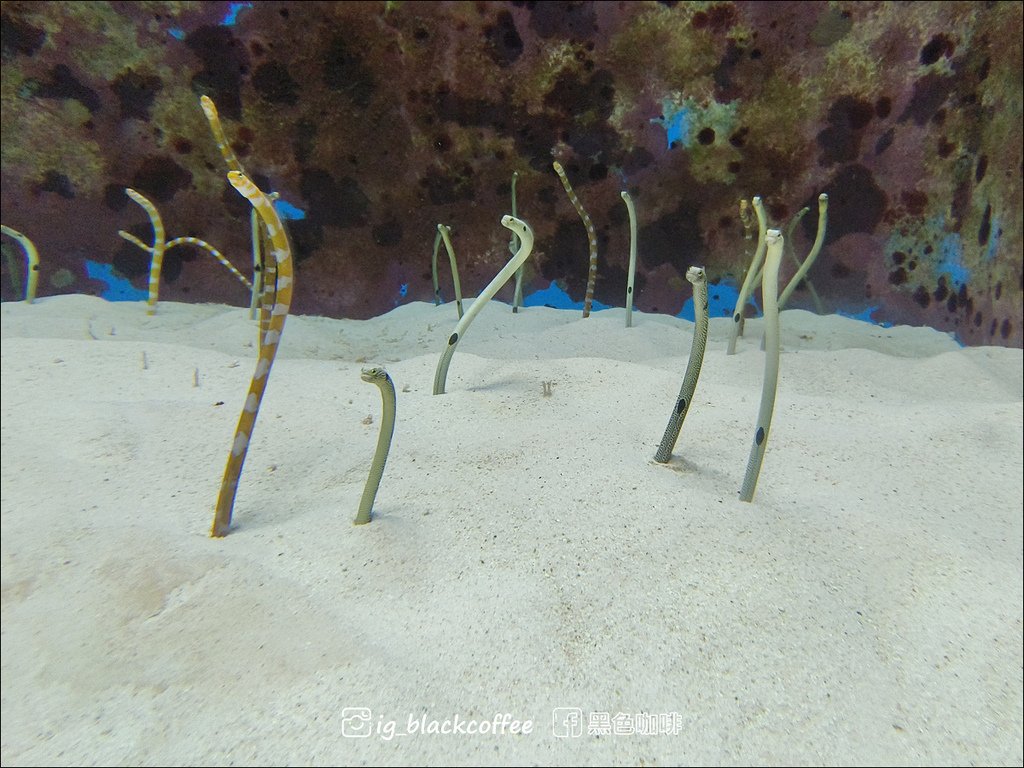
(157, 251)
(259, 278)
(210, 110)
(788, 234)
(588, 299)
(698, 277)
(748, 282)
(433, 269)
(213, 252)
(160, 248)
(819, 239)
(446, 235)
(632, 258)
(522, 229)
(31, 257)
(513, 246)
(377, 375)
(805, 265)
(282, 254)
(769, 294)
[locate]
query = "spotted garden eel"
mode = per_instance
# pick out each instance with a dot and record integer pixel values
(769, 294)
(522, 229)
(31, 259)
(513, 246)
(631, 276)
(804, 266)
(697, 276)
(588, 299)
(446, 235)
(819, 239)
(377, 375)
(433, 269)
(282, 254)
(748, 282)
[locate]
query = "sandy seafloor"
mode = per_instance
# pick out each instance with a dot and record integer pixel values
(526, 553)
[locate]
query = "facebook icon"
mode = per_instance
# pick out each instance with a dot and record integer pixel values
(567, 722)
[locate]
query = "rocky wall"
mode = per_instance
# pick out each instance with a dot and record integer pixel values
(375, 121)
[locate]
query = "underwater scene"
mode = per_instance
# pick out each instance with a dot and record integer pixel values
(694, 337)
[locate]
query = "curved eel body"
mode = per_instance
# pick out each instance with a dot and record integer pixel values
(588, 299)
(748, 281)
(31, 260)
(522, 229)
(631, 275)
(697, 276)
(770, 294)
(377, 375)
(282, 254)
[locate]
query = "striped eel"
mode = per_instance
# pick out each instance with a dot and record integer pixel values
(210, 110)
(31, 258)
(769, 294)
(748, 281)
(377, 375)
(157, 250)
(161, 246)
(282, 254)
(591, 237)
(261, 277)
(698, 277)
(522, 229)
(213, 252)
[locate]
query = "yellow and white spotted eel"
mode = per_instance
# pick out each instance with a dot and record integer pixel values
(588, 299)
(698, 277)
(261, 275)
(31, 259)
(277, 315)
(160, 248)
(156, 252)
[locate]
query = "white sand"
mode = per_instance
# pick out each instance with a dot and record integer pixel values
(526, 551)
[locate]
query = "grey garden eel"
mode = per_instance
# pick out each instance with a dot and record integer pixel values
(770, 296)
(433, 269)
(819, 239)
(698, 277)
(513, 246)
(522, 229)
(748, 281)
(631, 275)
(377, 375)
(446, 236)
